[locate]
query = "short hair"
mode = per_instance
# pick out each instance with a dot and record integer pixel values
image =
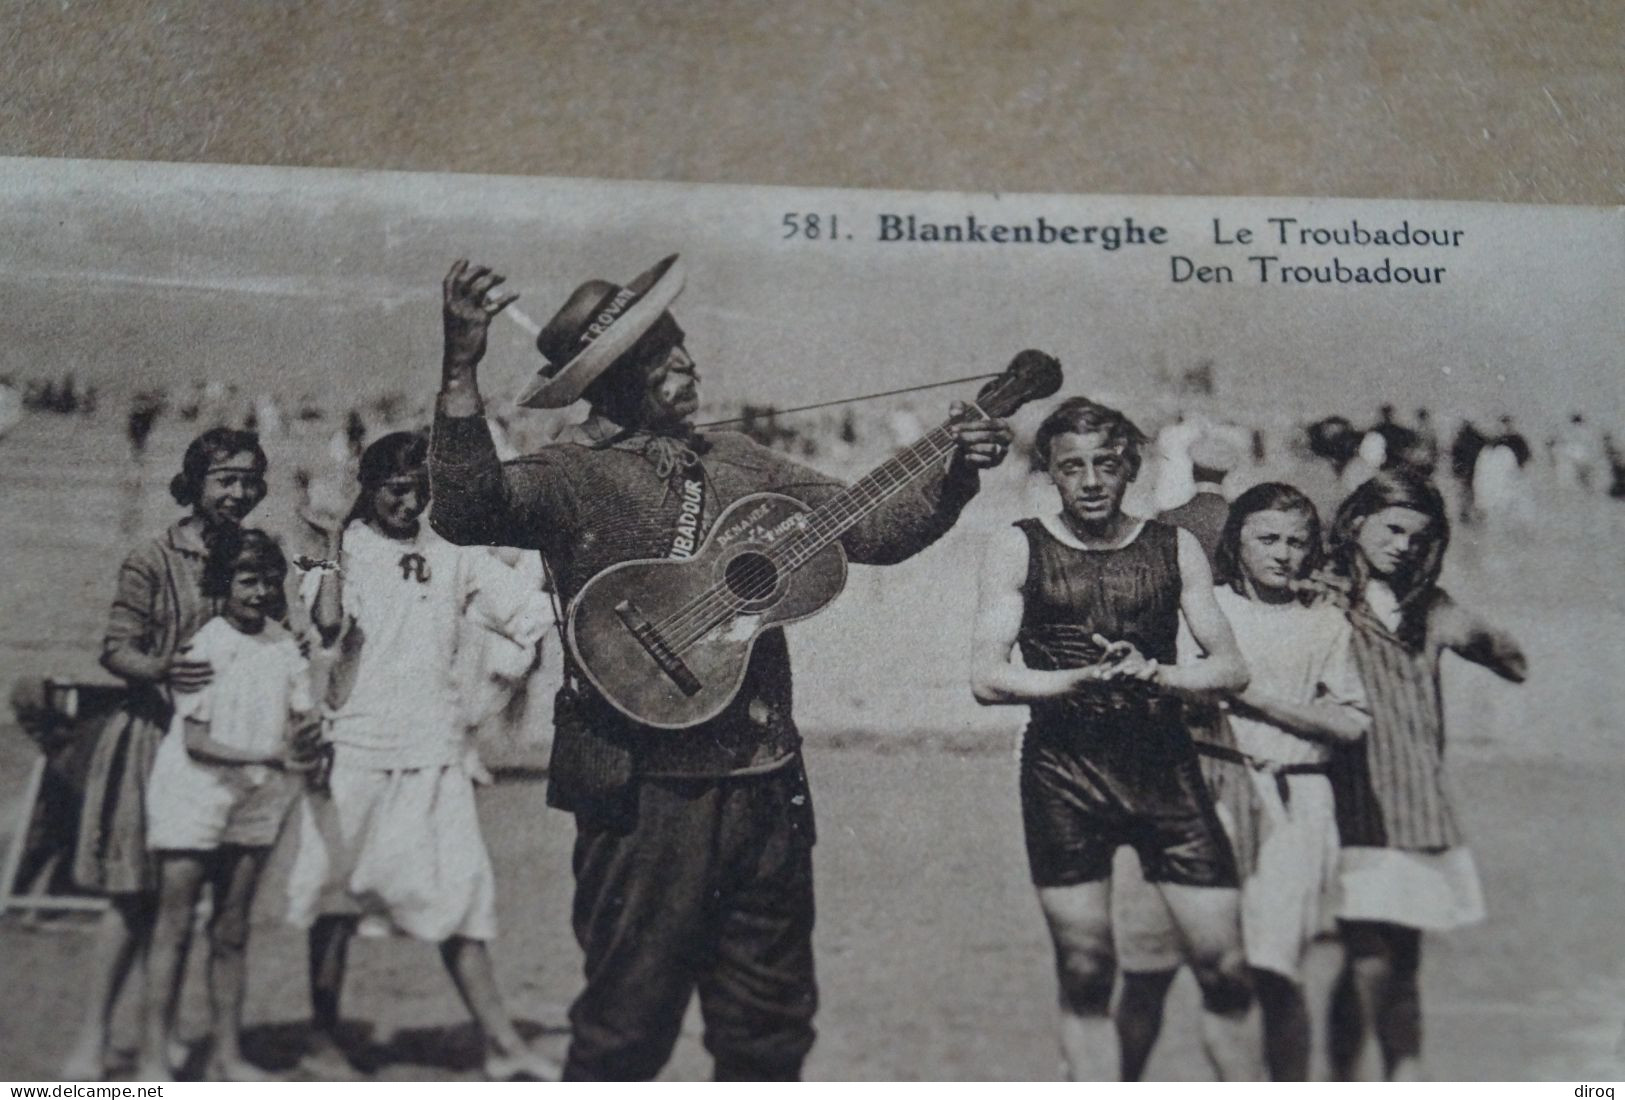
(214, 445)
(1268, 496)
(235, 550)
(1081, 416)
(1395, 488)
(388, 456)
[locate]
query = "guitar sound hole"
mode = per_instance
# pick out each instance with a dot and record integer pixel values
(751, 577)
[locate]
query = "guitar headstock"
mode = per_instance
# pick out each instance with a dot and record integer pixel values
(1031, 376)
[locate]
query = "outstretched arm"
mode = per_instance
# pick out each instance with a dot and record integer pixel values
(995, 676)
(913, 517)
(1480, 642)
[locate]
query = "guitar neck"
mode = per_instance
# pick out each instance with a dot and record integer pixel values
(837, 515)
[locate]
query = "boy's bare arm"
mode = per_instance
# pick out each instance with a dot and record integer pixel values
(995, 677)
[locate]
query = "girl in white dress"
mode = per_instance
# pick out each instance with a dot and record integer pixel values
(1304, 699)
(1269, 759)
(219, 791)
(395, 843)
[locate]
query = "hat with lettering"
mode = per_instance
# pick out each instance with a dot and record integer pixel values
(599, 326)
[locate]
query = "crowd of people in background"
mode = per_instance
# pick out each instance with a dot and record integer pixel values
(1488, 467)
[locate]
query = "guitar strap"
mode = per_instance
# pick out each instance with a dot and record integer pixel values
(690, 511)
(558, 621)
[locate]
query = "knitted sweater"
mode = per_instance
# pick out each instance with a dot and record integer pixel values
(588, 507)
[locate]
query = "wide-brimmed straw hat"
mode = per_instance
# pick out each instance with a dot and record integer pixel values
(595, 329)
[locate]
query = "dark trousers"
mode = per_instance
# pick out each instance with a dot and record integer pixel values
(708, 888)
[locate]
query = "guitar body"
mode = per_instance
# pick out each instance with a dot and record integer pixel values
(667, 641)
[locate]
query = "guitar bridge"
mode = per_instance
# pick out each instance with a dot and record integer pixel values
(657, 647)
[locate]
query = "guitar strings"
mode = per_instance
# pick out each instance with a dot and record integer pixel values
(719, 601)
(702, 611)
(818, 526)
(714, 606)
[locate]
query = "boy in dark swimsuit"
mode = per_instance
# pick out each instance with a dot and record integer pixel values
(1092, 597)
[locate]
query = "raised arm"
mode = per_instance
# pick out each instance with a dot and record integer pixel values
(1479, 642)
(477, 500)
(996, 678)
(327, 604)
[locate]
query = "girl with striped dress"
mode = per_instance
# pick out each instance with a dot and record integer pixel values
(1405, 867)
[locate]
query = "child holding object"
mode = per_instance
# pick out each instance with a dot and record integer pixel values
(219, 791)
(1405, 867)
(396, 838)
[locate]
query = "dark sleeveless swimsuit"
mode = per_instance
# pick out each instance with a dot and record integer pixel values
(1113, 765)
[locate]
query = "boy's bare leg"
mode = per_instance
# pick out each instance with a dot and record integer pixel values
(1080, 925)
(235, 876)
(1209, 917)
(507, 1055)
(121, 935)
(180, 879)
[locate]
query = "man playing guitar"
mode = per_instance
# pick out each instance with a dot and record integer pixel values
(693, 853)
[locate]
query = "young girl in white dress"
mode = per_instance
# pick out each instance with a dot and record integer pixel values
(1269, 759)
(1405, 867)
(395, 841)
(219, 790)
(1305, 698)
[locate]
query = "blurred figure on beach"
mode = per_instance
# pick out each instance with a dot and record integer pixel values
(1422, 454)
(145, 408)
(1175, 483)
(1501, 490)
(1211, 457)
(11, 406)
(1578, 459)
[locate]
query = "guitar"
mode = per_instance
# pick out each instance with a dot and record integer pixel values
(667, 641)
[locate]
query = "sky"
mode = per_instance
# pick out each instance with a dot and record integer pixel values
(327, 282)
